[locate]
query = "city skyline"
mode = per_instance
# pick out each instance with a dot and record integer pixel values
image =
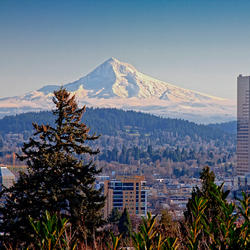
(201, 46)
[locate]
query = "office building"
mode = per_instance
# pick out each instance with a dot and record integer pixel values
(126, 191)
(243, 125)
(7, 179)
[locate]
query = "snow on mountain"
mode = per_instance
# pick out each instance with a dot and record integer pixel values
(118, 84)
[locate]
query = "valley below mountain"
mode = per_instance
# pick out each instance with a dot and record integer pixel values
(137, 143)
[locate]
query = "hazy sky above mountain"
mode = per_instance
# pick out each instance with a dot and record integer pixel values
(196, 44)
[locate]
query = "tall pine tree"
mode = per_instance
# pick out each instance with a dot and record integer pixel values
(214, 196)
(58, 180)
(124, 224)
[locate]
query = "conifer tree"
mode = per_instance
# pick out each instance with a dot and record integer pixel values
(115, 216)
(207, 191)
(125, 225)
(58, 180)
(213, 195)
(114, 219)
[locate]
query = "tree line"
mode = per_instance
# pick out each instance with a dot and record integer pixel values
(109, 121)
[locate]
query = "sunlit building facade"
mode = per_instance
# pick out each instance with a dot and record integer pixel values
(126, 192)
(243, 125)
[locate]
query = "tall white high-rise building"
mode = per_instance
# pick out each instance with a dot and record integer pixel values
(243, 125)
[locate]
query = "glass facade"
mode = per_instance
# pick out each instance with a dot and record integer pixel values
(243, 122)
(126, 192)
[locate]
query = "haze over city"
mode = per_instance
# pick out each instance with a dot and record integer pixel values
(198, 45)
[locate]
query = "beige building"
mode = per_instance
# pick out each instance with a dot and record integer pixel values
(126, 191)
(243, 125)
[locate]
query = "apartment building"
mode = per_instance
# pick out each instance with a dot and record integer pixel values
(126, 191)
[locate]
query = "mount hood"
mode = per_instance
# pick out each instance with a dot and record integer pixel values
(120, 85)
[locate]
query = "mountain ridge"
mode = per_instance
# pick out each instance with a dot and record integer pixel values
(110, 120)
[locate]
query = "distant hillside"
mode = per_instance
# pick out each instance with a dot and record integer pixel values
(228, 127)
(110, 121)
(134, 138)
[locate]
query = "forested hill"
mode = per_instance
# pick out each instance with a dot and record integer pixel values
(229, 127)
(113, 121)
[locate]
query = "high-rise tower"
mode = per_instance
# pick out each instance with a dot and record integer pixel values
(243, 125)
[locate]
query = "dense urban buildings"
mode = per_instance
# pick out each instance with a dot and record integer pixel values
(243, 125)
(126, 192)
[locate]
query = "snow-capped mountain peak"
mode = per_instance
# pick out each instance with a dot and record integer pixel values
(121, 85)
(110, 79)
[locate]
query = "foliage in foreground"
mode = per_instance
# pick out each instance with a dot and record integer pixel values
(214, 223)
(200, 232)
(51, 233)
(229, 228)
(58, 180)
(148, 237)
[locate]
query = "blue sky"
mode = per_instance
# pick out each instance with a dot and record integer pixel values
(196, 44)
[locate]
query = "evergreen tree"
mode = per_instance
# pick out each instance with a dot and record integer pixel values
(167, 227)
(136, 153)
(58, 179)
(122, 157)
(115, 216)
(125, 225)
(166, 218)
(209, 192)
(1, 142)
(114, 219)
(150, 150)
(114, 154)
